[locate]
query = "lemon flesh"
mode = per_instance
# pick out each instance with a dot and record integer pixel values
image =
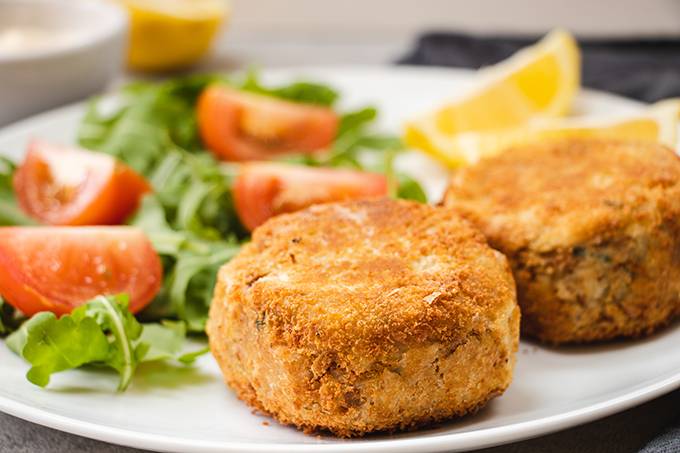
(658, 123)
(539, 81)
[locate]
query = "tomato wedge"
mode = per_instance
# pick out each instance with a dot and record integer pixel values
(66, 186)
(58, 268)
(263, 190)
(239, 126)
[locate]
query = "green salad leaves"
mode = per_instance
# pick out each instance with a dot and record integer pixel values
(190, 261)
(10, 319)
(302, 91)
(100, 333)
(189, 217)
(10, 214)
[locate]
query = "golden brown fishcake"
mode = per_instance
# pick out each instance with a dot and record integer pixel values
(591, 229)
(364, 316)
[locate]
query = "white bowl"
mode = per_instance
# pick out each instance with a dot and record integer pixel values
(86, 52)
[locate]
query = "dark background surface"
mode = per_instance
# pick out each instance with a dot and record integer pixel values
(647, 70)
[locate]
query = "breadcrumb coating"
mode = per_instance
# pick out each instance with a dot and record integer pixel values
(366, 316)
(591, 229)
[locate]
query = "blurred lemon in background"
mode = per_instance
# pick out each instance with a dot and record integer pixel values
(171, 34)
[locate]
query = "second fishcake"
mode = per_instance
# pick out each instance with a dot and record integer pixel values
(591, 229)
(366, 316)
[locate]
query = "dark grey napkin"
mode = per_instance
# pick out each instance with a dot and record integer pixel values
(668, 442)
(647, 70)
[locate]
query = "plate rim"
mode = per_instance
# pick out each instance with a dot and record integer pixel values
(18, 125)
(480, 438)
(477, 439)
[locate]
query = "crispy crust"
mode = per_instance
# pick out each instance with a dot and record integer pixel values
(360, 316)
(591, 229)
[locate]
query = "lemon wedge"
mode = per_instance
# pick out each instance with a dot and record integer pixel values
(658, 123)
(169, 34)
(539, 81)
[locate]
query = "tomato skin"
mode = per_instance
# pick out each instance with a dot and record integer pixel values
(263, 190)
(98, 190)
(58, 268)
(239, 126)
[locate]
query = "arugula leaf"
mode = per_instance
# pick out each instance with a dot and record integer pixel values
(357, 119)
(355, 141)
(5, 315)
(305, 92)
(10, 318)
(10, 213)
(52, 345)
(409, 189)
(191, 263)
(190, 357)
(165, 340)
(102, 332)
(148, 120)
(111, 315)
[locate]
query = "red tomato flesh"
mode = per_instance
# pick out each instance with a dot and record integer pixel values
(238, 126)
(58, 268)
(263, 190)
(64, 186)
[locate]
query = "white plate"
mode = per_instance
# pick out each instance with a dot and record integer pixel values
(189, 409)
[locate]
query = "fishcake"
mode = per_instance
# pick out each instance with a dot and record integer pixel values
(365, 316)
(591, 229)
